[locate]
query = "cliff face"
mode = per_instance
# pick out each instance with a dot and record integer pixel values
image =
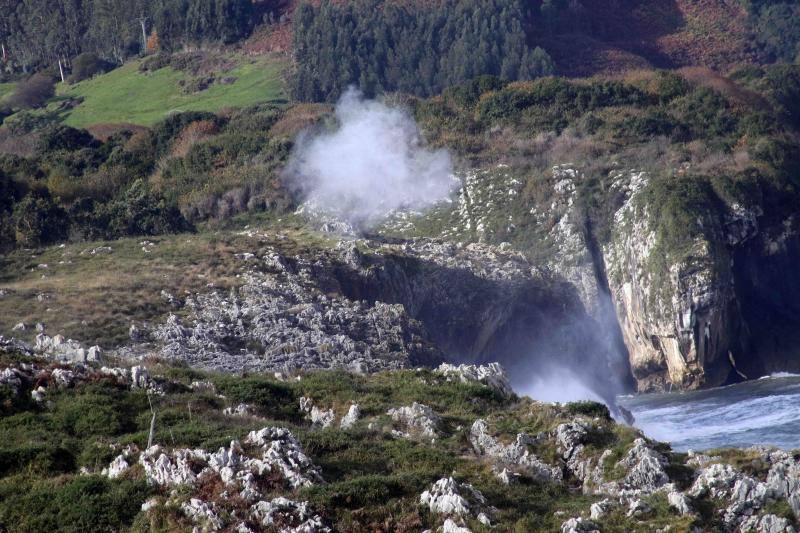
(723, 309)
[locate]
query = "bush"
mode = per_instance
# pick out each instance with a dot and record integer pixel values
(83, 503)
(33, 92)
(38, 220)
(589, 408)
(139, 211)
(276, 399)
(468, 94)
(61, 137)
(88, 65)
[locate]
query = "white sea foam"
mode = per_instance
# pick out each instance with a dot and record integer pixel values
(756, 412)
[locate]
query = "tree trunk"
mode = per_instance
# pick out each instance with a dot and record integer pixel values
(3, 46)
(143, 22)
(61, 70)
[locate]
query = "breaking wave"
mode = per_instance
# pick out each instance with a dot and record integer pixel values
(764, 411)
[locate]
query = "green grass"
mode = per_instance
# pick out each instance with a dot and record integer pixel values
(126, 95)
(5, 90)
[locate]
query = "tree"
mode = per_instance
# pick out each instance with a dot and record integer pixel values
(33, 92)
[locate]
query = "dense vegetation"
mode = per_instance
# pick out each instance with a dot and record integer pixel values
(776, 25)
(38, 33)
(389, 47)
(187, 168)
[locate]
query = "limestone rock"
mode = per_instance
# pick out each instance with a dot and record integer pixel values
(352, 416)
(516, 454)
(288, 515)
(242, 409)
(117, 467)
(680, 502)
(319, 418)
(63, 378)
(202, 513)
(768, 523)
(283, 452)
(451, 498)
(645, 467)
(418, 418)
(579, 525)
(638, 509)
(716, 480)
(492, 375)
(599, 509)
(9, 378)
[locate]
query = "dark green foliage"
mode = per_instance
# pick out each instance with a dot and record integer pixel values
(38, 220)
(165, 132)
(589, 408)
(777, 29)
(707, 113)
(549, 104)
(140, 211)
(272, 398)
(88, 65)
(83, 503)
(102, 33)
(389, 47)
(195, 21)
(467, 94)
(783, 82)
(59, 137)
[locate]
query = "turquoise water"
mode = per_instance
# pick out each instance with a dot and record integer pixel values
(763, 411)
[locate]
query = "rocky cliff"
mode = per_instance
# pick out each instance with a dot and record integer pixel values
(688, 287)
(367, 305)
(712, 302)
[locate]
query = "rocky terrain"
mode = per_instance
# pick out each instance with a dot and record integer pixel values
(367, 305)
(451, 449)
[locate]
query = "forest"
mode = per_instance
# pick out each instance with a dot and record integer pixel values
(414, 50)
(37, 34)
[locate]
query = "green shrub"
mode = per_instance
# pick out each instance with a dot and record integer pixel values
(38, 220)
(83, 503)
(88, 65)
(140, 211)
(60, 137)
(276, 399)
(589, 408)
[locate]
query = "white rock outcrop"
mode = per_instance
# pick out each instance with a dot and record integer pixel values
(288, 515)
(450, 498)
(492, 375)
(515, 454)
(418, 419)
(353, 415)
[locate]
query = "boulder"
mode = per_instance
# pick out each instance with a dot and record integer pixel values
(645, 468)
(579, 525)
(453, 499)
(352, 416)
(419, 419)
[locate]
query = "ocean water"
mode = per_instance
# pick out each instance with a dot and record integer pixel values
(764, 411)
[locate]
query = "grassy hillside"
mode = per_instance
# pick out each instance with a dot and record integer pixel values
(130, 96)
(5, 89)
(94, 291)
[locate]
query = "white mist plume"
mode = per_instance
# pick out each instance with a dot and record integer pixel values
(558, 385)
(374, 162)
